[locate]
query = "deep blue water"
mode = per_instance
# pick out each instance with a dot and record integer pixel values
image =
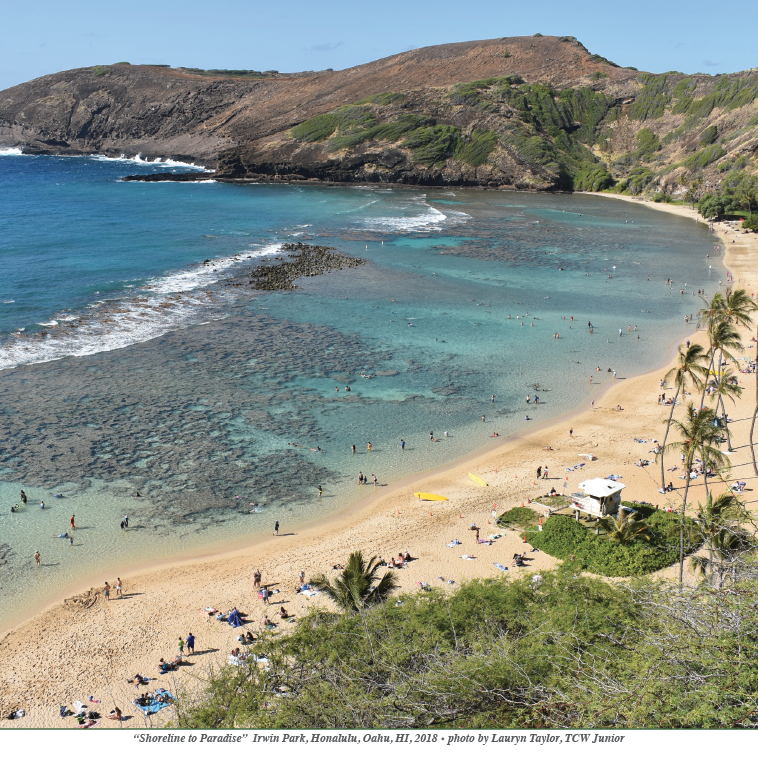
(129, 365)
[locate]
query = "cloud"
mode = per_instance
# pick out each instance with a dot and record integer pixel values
(326, 47)
(711, 64)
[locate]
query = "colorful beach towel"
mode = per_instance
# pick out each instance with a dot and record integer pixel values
(501, 567)
(156, 706)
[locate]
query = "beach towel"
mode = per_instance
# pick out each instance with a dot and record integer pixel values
(310, 593)
(467, 557)
(455, 543)
(155, 707)
(90, 723)
(501, 567)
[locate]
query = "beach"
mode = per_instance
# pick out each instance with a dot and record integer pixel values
(85, 645)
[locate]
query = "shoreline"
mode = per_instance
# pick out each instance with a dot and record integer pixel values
(391, 517)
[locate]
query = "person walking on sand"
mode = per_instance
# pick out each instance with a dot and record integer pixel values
(37, 557)
(73, 524)
(301, 577)
(107, 591)
(190, 644)
(539, 472)
(544, 473)
(276, 527)
(119, 588)
(181, 646)
(264, 596)
(257, 578)
(373, 477)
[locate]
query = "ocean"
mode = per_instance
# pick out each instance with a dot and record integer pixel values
(128, 365)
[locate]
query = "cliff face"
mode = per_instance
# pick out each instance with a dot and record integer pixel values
(528, 112)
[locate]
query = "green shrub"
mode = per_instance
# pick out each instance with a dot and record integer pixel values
(315, 129)
(709, 135)
(704, 157)
(476, 150)
(122, 63)
(563, 537)
(100, 70)
(431, 146)
(648, 143)
(652, 101)
(596, 75)
(384, 98)
(751, 223)
(593, 179)
(518, 517)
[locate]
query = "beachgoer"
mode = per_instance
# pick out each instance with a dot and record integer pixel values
(368, 446)
(42, 504)
(352, 448)
(73, 525)
(302, 577)
(265, 595)
(37, 557)
(360, 478)
(431, 435)
(373, 477)
(482, 417)
(181, 644)
(539, 472)
(115, 714)
(23, 497)
(276, 527)
(119, 588)
(126, 521)
(402, 445)
(283, 613)
(107, 591)
(571, 432)
(320, 491)
(257, 578)
(544, 473)
(492, 400)
(123, 525)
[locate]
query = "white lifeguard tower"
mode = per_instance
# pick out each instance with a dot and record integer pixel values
(601, 497)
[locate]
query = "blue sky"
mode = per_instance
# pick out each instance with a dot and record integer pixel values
(662, 35)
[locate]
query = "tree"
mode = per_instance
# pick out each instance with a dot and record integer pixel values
(727, 386)
(690, 368)
(719, 528)
(358, 586)
(723, 338)
(747, 192)
(712, 206)
(624, 528)
(697, 433)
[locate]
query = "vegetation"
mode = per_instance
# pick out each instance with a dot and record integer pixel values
(100, 70)
(550, 651)
(359, 585)
(607, 554)
(518, 517)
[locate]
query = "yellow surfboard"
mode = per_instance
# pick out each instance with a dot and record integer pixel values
(477, 480)
(430, 497)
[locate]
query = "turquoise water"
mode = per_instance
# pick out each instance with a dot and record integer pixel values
(128, 365)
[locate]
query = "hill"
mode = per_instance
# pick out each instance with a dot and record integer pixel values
(524, 112)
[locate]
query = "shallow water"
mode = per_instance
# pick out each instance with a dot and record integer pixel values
(194, 393)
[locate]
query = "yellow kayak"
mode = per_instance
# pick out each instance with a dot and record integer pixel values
(477, 480)
(430, 497)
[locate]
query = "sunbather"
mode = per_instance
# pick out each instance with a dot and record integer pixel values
(115, 714)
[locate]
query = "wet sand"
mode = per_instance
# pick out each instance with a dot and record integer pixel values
(89, 646)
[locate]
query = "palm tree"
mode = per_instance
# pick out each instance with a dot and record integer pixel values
(697, 434)
(689, 368)
(624, 528)
(719, 529)
(723, 338)
(727, 386)
(358, 586)
(739, 306)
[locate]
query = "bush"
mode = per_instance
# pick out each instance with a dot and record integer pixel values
(431, 146)
(100, 70)
(711, 206)
(518, 517)
(593, 179)
(648, 143)
(709, 135)
(476, 151)
(563, 537)
(751, 223)
(595, 75)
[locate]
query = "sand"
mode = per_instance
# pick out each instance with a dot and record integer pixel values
(87, 646)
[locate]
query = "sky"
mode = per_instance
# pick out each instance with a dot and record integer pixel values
(652, 35)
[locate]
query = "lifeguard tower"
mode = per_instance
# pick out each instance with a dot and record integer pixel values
(601, 498)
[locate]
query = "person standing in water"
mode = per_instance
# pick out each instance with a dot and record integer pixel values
(23, 497)
(402, 445)
(126, 521)
(73, 525)
(352, 448)
(42, 504)
(320, 491)
(37, 557)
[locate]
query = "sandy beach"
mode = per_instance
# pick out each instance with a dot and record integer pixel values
(87, 646)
